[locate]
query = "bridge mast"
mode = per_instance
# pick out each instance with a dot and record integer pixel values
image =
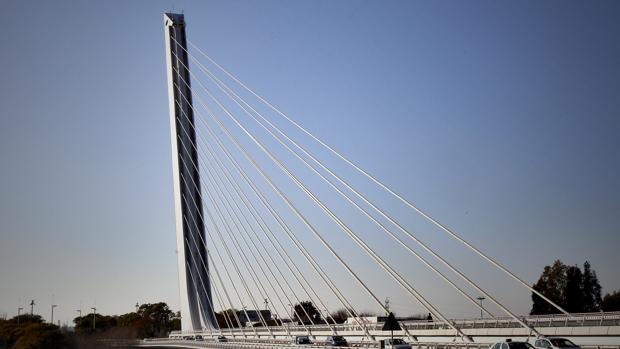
(194, 283)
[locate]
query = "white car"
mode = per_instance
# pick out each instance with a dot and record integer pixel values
(555, 343)
(396, 343)
(336, 341)
(510, 344)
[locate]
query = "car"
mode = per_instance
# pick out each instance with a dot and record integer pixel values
(199, 338)
(396, 343)
(510, 344)
(555, 343)
(222, 339)
(302, 340)
(336, 341)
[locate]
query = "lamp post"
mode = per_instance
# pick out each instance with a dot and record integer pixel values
(19, 311)
(53, 306)
(94, 312)
(32, 307)
(481, 299)
(79, 312)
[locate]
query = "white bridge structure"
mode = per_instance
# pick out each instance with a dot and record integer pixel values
(261, 224)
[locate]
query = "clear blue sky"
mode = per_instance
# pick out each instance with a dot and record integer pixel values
(500, 118)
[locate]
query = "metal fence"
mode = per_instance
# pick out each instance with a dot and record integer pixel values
(536, 321)
(271, 344)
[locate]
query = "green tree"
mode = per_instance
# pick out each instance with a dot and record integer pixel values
(230, 313)
(40, 336)
(311, 311)
(551, 284)
(591, 289)
(84, 324)
(573, 296)
(339, 316)
(569, 287)
(30, 333)
(156, 319)
(128, 320)
(175, 322)
(611, 301)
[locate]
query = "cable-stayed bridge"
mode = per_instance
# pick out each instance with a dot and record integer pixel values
(271, 229)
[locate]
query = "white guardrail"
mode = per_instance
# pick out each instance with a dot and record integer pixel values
(536, 321)
(272, 344)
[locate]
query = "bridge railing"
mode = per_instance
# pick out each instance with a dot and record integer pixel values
(537, 321)
(269, 344)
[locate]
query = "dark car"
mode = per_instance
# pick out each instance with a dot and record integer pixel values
(336, 341)
(222, 339)
(510, 344)
(302, 340)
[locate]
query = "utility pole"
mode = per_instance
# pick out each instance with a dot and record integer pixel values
(481, 299)
(32, 307)
(53, 306)
(94, 312)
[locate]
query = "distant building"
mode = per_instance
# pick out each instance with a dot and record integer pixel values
(365, 320)
(252, 316)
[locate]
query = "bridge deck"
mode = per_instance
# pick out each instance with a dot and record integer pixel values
(167, 343)
(590, 324)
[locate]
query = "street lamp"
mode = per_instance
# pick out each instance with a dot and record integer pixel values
(94, 311)
(53, 306)
(32, 307)
(481, 299)
(19, 310)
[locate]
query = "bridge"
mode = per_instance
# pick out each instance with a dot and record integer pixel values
(255, 231)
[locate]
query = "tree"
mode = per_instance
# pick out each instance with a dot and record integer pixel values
(221, 320)
(591, 289)
(34, 336)
(550, 284)
(156, 319)
(150, 320)
(611, 301)
(127, 320)
(306, 307)
(339, 316)
(573, 291)
(231, 315)
(31, 333)
(84, 324)
(569, 287)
